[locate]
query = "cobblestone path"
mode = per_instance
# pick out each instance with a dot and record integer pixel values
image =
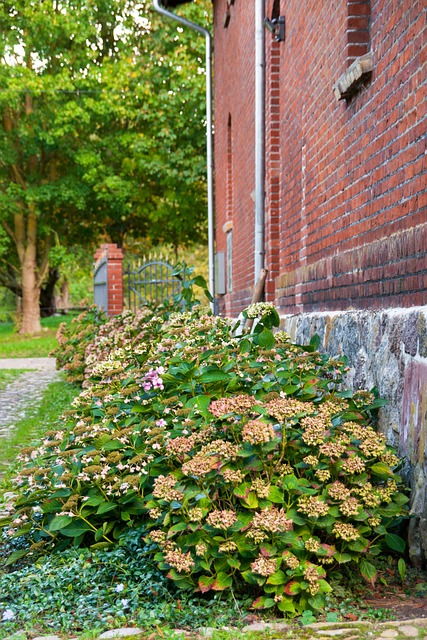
(24, 392)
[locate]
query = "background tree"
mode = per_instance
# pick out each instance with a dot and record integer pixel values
(102, 134)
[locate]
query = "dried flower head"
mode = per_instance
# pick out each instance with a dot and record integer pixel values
(182, 562)
(264, 566)
(222, 519)
(257, 432)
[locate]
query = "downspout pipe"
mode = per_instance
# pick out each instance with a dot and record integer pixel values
(259, 240)
(209, 142)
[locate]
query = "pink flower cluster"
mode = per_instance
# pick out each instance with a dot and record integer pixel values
(152, 379)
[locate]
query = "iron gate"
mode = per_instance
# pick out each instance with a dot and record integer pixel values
(100, 283)
(151, 283)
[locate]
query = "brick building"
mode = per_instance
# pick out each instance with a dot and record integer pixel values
(341, 169)
(345, 180)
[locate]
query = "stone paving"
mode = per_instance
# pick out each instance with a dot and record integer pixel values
(359, 630)
(24, 392)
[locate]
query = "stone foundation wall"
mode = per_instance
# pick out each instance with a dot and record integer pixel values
(386, 349)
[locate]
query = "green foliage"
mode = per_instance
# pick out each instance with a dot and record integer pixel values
(401, 567)
(251, 468)
(78, 589)
(102, 129)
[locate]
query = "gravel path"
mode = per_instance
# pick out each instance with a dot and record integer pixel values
(416, 628)
(24, 392)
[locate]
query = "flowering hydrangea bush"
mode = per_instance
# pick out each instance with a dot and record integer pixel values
(73, 340)
(92, 338)
(249, 464)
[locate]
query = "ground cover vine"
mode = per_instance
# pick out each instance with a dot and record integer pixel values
(248, 464)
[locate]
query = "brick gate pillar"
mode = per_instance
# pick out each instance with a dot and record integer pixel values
(114, 283)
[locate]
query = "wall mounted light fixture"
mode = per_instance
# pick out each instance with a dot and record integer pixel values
(276, 24)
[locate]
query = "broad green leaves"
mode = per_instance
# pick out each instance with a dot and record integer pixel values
(242, 464)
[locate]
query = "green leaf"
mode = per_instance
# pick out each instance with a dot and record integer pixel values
(317, 602)
(59, 522)
(395, 542)
(106, 507)
(275, 495)
(314, 343)
(251, 500)
(332, 616)
(233, 562)
(215, 375)
(382, 470)
(368, 571)
(249, 577)
(200, 402)
(324, 587)
(15, 556)
(139, 408)
(286, 605)
(401, 567)
(94, 501)
(242, 491)
(112, 445)
(206, 583)
(292, 588)
(289, 389)
(101, 545)
(266, 339)
(277, 578)
(222, 581)
(180, 526)
(263, 603)
(290, 482)
(76, 528)
(358, 545)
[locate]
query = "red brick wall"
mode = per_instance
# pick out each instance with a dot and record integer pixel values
(346, 194)
(234, 146)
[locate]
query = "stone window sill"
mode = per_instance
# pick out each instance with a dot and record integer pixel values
(354, 77)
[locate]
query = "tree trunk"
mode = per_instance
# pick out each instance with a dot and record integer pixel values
(26, 236)
(30, 295)
(47, 293)
(62, 300)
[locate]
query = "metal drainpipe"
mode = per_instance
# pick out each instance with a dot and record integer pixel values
(209, 146)
(259, 139)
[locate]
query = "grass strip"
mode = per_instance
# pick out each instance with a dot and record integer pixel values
(56, 399)
(15, 345)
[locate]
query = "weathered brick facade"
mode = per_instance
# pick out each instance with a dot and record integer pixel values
(346, 193)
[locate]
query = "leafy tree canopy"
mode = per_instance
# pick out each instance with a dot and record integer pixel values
(103, 128)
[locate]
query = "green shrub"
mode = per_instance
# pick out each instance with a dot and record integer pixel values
(73, 339)
(92, 337)
(251, 466)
